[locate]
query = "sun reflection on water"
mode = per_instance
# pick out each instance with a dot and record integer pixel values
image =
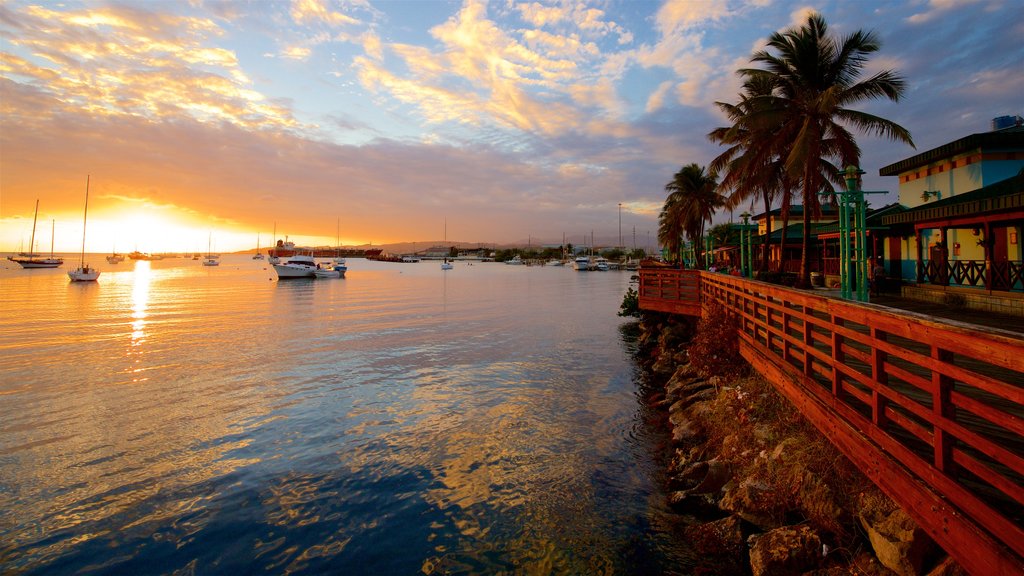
(140, 301)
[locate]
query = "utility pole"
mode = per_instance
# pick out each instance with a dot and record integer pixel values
(620, 225)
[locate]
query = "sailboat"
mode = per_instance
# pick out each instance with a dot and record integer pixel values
(84, 272)
(114, 257)
(30, 259)
(258, 255)
(211, 260)
(446, 265)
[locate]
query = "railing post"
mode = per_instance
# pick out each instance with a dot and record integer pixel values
(881, 377)
(943, 409)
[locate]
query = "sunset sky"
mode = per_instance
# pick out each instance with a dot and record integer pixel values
(508, 120)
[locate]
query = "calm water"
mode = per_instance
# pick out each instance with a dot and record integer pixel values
(174, 418)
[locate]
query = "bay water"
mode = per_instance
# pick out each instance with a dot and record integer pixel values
(173, 418)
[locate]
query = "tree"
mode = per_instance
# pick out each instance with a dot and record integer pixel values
(814, 79)
(752, 166)
(691, 202)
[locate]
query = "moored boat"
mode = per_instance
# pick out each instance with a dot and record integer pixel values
(298, 266)
(84, 272)
(581, 264)
(31, 260)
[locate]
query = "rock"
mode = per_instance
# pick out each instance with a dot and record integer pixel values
(753, 501)
(720, 544)
(711, 476)
(898, 543)
(790, 550)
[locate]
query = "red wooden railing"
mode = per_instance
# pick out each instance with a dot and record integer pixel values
(932, 412)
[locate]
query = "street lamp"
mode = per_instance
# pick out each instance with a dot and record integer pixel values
(745, 260)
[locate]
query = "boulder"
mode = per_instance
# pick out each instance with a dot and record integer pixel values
(786, 551)
(720, 546)
(899, 544)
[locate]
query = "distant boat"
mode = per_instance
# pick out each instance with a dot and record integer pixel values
(446, 265)
(211, 259)
(115, 258)
(258, 255)
(84, 272)
(581, 263)
(514, 261)
(31, 260)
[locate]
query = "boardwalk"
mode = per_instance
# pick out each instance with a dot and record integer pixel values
(931, 410)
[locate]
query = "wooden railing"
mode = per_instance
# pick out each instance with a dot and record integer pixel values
(670, 290)
(1006, 274)
(932, 412)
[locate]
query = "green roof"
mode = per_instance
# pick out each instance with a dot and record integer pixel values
(1002, 196)
(1006, 139)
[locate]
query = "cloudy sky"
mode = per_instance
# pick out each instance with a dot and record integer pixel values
(493, 122)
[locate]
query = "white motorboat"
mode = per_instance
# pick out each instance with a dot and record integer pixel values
(515, 261)
(581, 264)
(84, 272)
(298, 266)
(446, 265)
(334, 269)
(555, 262)
(601, 263)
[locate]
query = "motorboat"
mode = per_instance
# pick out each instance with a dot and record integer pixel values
(515, 261)
(581, 264)
(601, 264)
(84, 272)
(334, 269)
(555, 262)
(446, 265)
(298, 266)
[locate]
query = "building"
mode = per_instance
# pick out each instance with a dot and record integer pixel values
(964, 214)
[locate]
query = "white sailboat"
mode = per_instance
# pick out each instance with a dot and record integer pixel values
(31, 259)
(446, 265)
(84, 272)
(114, 257)
(258, 255)
(211, 260)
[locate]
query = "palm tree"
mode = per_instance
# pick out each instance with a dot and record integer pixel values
(815, 77)
(752, 167)
(691, 202)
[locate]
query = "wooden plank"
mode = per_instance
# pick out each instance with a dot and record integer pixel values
(974, 549)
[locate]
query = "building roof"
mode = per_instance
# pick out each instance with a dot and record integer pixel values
(1007, 138)
(796, 211)
(1003, 196)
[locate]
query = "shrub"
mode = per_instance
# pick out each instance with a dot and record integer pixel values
(714, 349)
(630, 304)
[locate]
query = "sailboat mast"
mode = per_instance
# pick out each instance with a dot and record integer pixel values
(53, 228)
(85, 218)
(32, 241)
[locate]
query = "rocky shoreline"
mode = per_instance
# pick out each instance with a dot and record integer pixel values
(762, 492)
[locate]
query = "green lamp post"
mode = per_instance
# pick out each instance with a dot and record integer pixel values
(853, 263)
(746, 254)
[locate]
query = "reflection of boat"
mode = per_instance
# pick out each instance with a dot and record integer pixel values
(32, 260)
(298, 266)
(84, 272)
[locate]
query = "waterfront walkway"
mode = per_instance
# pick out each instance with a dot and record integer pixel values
(979, 317)
(927, 400)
